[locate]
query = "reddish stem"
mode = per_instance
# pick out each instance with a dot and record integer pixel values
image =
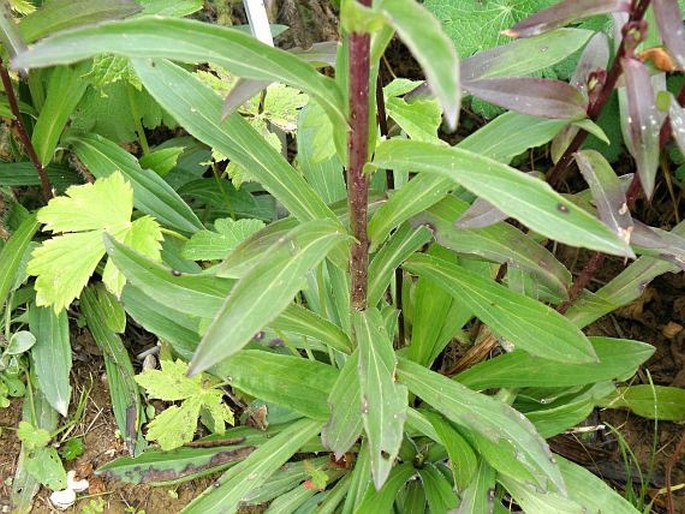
(556, 174)
(21, 130)
(357, 146)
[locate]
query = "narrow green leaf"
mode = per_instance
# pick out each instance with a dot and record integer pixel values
(345, 424)
(296, 383)
(439, 492)
(12, 255)
(64, 91)
(502, 139)
(478, 496)
(618, 359)
(126, 401)
(382, 501)
(593, 493)
(506, 439)
(383, 401)
(249, 474)
(151, 194)
(424, 36)
(403, 243)
(302, 321)
(51, 355)
(650, 401)
(188, 41)
(197, 108)
(526, 323)
(535, 501)
(59, 15)
(530, 200)
(266, 290)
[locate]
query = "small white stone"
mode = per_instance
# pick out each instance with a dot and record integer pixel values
(62, 500)
(77, 486)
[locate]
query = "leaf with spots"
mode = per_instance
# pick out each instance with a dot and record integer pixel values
(383, 401)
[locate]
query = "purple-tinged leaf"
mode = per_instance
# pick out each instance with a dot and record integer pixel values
(595, 57)
(481, 214)
(319, 54)
(524, 56)
(660, 243)
(644, 122)
(563, 13)
(564, 138)
(243, 90)
(536, 97)
(670, 20)
(677, 114)
(606, 192)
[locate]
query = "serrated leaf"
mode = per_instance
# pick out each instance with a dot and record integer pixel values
(171, 383)
(526, 323)
(176, 425)
(383, 401)
(210, 245)
(530, 200)
(32, 437)
(108, 69)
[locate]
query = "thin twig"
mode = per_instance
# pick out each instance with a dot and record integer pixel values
(669, 469)
(21, 130)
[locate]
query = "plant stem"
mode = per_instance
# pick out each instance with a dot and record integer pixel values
(556, 174)
(21, 130)
(357, 146)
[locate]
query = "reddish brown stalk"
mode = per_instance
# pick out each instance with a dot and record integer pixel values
(557, 173)
(21, 131)
(357, 146)
(669, 471)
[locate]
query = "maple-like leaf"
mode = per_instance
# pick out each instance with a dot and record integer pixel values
(176, 425)
(207, 245)
(64, 263)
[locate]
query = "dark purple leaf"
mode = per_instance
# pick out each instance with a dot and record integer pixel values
(644, 122)
(564, 13)
(670, 21)
(607, 194)
(677, 115)
(595, 57)
(537, 97)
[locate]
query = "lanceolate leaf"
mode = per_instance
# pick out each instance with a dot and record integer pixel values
(480, 214)
(51, 356)
(151, 193)
(255, 470)
(198, 108)
(526, 323)
(606, 192)
(563, 13)
(65, 89)
(59, 15)
(424, 36)
(188, 41)
(644, 122)
(651, 401)
(536, 97)
(266, 290)
(670, 20)
(527, 199)
(677, 115)
(618, 359)
(524, 56)
(12, 255)
(300, 320)
(595, 57)
(506, 439)
(383, 401)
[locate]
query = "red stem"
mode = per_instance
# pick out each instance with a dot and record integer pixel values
(556, 174)
(21, 130)
(357, 181)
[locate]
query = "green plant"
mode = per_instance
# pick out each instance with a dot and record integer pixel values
(330, 300)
